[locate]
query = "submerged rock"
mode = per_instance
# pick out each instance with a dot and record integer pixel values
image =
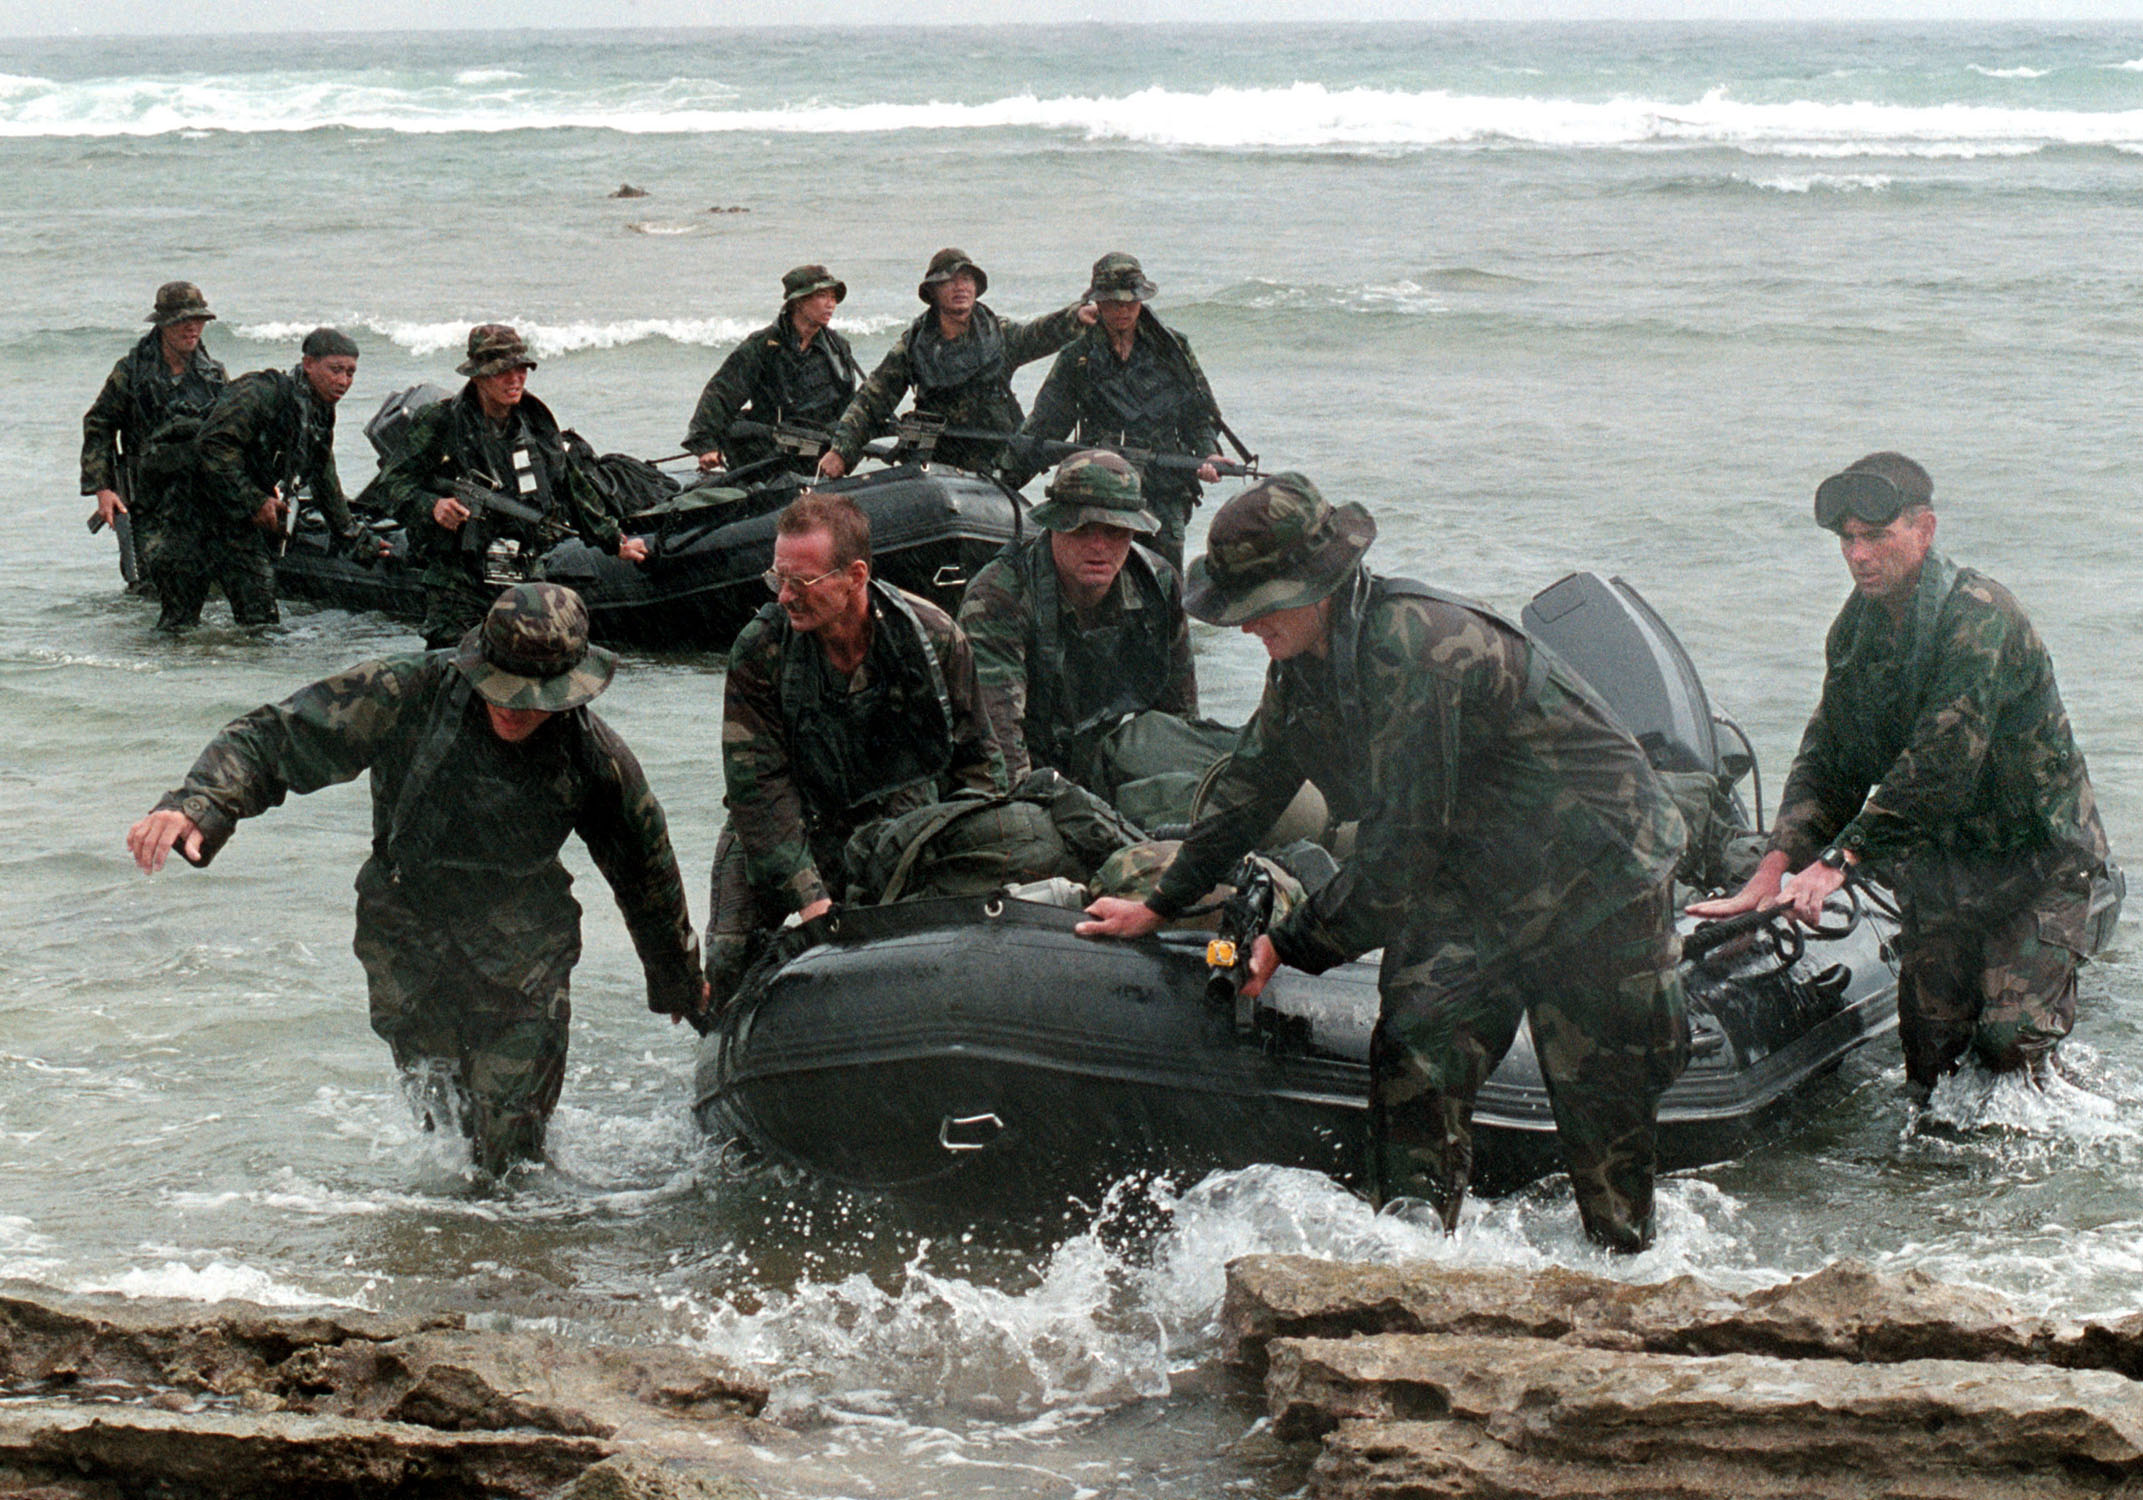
(1420, 1381)
(627, 190)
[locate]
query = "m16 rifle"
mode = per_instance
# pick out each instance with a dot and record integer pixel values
(799, 439)
(501, 558)
(918, 433)
(1244, 916)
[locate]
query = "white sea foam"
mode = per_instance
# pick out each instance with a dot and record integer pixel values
(1826, 182)
(25, 1254)
(216, 1281)
(1102, 1324)
(1302, 116)
(2010, 72)
(487, 75)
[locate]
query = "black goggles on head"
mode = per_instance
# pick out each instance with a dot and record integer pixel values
(1862, 494)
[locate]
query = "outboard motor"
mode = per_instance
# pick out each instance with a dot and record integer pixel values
(1604, 629)
(389, 428)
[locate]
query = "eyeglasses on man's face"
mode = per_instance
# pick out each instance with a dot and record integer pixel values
(776, 581)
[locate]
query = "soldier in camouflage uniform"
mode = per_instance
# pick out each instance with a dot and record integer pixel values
(483, 759)
(1938, 693)
(959, 358)
(1079, 626)
(795, 370)
(496, 437)
(1515, 857)
(846, 700)
(166, 374)
(1133, 383)
(270, 435)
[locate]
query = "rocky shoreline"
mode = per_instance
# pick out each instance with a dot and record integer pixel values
(1386, 1381)
(1555, 1385)
(105, 1398)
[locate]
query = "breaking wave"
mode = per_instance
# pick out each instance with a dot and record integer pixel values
(423, 339)
(1302, 116)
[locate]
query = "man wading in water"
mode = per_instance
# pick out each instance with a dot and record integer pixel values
(1938, 693)
(1516, 855)
(483, 759)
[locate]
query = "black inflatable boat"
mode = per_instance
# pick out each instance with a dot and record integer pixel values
(978, 1045)
(932, 528)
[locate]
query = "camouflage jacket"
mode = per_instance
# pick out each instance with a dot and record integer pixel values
(452, 439)
(1955, 722)
(268, 430)
(967, 381)
(1053, 679)
(1488, 778)
(139, 396)
(772, 378)
(808, 758)
(466, 828)
(1157, 399)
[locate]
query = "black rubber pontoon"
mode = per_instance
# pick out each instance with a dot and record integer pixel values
(932, 529)
(979, 1045)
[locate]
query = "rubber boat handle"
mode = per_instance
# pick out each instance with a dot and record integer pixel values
(950, 1123)
(1712, 934)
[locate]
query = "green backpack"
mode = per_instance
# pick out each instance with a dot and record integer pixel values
(970, 844)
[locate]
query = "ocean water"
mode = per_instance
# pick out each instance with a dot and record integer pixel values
(1541, 297)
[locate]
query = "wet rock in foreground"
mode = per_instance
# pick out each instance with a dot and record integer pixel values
(109, 1398)
(1848, 1383)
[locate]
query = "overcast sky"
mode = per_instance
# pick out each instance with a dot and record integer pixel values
(90, 17)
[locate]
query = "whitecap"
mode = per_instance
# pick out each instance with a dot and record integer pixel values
(487, 75)
(2010, 72)
(649, 226)
(1299, 116)
(1830, 182)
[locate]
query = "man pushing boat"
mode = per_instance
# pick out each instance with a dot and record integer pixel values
(1515, 856)
(1938, 693)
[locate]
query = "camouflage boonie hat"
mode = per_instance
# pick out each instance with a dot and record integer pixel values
(1277, 545)
(494, 348)
(532, 651)
(945, 265)
(1096, 485)
(1134, 873)
(1119, 278)
(806, 281)
(178, 302)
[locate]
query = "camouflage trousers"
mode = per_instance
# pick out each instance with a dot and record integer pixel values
(187, 558)
(2001, 985)
(145, 520)
(1610, 1031)
(1172, 508)
(738, 921)
(454, 604)
(491, 1060)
